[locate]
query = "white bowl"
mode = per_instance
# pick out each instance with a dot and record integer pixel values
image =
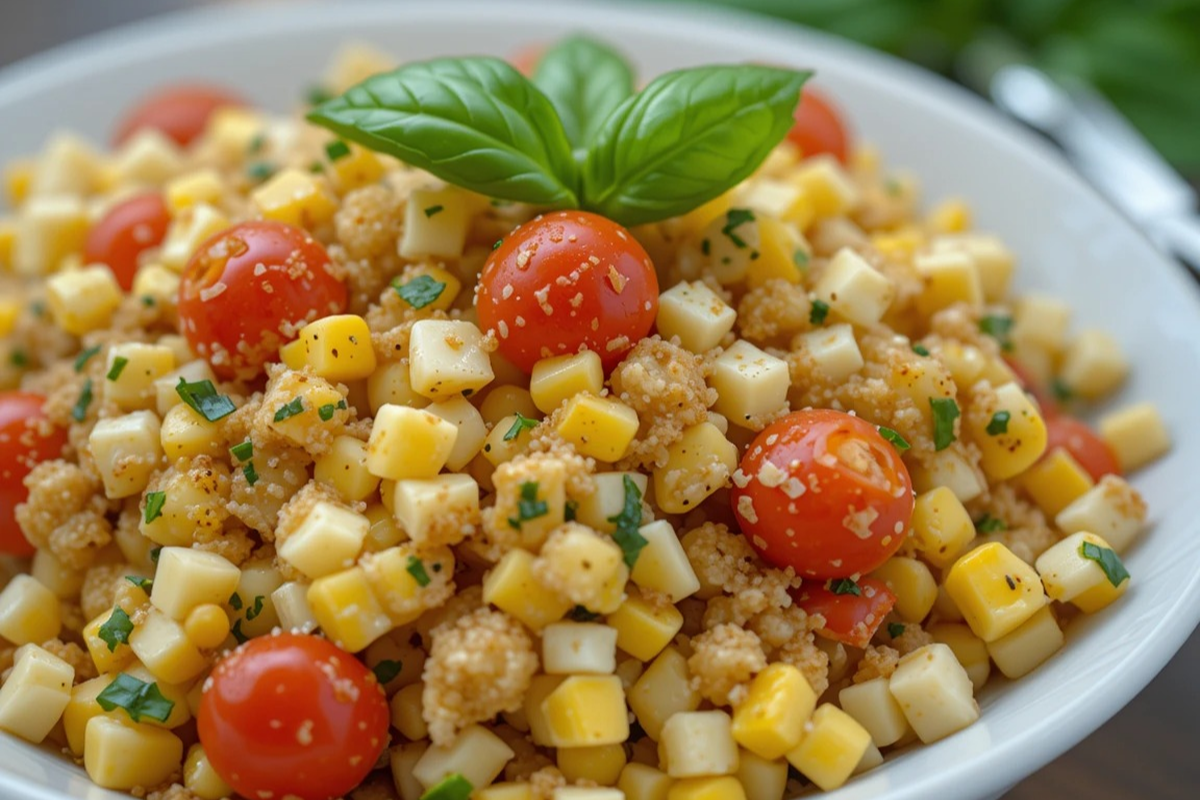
(1070, 243)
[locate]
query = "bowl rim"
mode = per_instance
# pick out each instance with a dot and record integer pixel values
(1070, 720)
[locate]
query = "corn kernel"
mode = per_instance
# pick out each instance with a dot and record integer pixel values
(643, 782)
(952, 215)
(599, 428)
(200, 778)
(831, 748)
(969, 649)
(941, 526)
(190, 228)
(601, 764)
(106, 660)
(783, 251)
(359, 167)
(199, 186)
(515, 790)
(947, 278)
(995, 590)
(832, 191)
(587, 710)
(207, 626)
(724, 787)
(472, 431)
(1023, 440)
(507, 401)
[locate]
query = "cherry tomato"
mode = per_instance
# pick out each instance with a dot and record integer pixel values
(180, 112)
(819, 127)
(22, 446)
(127, 229)
(1084, 445)
(248, 287)
(822, 492)
(526, 59)
(849, 618)
(566, 281)
(292, 715)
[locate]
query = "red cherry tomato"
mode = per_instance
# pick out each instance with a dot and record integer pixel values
(292, 715)
(180, 112)
(822, 492)
(1084, 445)
(849, 618)
(526, 59)
(566, 281)
(819, 127)
(127, 229)
(22, 447)
(248, 287)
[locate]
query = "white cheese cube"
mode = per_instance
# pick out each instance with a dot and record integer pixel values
(583, 648)
(948, 278)
(947, 468)
(391, 384)
(761, 778)
(446, 357)
(83, 300)
(291, 604)
(432, 511)
(435, 224)
(586, 793)
(148, 159)
(1023, 650)
(68, 165)
(749, 383)
(29, 611)
(472, 431)
(994, 261)
(49, 571)
(662, 565)
(477, 754)
(699, 744)
(187, 578)
(1137, 435)
(120, 754)
(1041, 321)
(127, 450)
(161, 644)
(409, 443)
(694, 313)
(35, 693)
(853, 289)
(1093, 365)
(131, 371)
(934, 691)
(833, 350)
(166, 396)
(1112, 509)
(190, 228)
(873, 707)
(328, 540)
(48, 229)
(608, 499)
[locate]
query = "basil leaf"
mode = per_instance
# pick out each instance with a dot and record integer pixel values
(138, 698)
(1108, 560)
(628, 521)
(474, 122)
(585, 80)
(686, 138)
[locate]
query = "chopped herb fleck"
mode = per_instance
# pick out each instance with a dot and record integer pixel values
(1062, 393)
(528, 506)
(155, 552)
(581, 614)
(387, 670)
(845, 586)
(896, 439)
(452, 787)
(118, 366)
(999, 423)
(138, 698)
(818, 312)
(145, 584)
(733, 219)
(147, 300)
(154, 506)
(326, 412)
(416, 568)
(570, 510)
(420, 291)
(203, 398)
(1109, 561)
(243, 451)
(706, 246)
(895, 629)
(257, 143)
(628, 521)
(250, 473)
(431, 210)
(79, 412)
(989, 524)
(945, 411)
(290, 409)
(238, 636)
(921, 350)
(522, 423)
(496, 246)
(893, 187)
(235, 601)
(337, 149)
(998, 326)
(800, 259)
(260, 170)
(84, 357)
(18, 359)
(116, 629)
(316, 167)
(256, 609)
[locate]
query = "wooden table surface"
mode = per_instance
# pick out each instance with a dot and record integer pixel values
(1146, 751)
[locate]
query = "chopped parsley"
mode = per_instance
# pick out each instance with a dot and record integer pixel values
(337, 149)
(581, 614)
(818, 312)
(260, 170)
(945, 411)
(845, 586)
(921, 350)
(118, 366)
(257, 143)
(800, 259)
(154, 506)
(431, 210)
(452, 787)
(250, 473)
(735, 218)
(892, 187)
(497, 244)
(326, 411)
(998, 326)
(999, 423)
(316, 167)
(202, 396)
(289, 409)
(79, 412)
(895, 629)
(416, 568)
(155, 552)
(1109, 561)
(116, 629)
(243, 451)
(522, 423)
(145, 584)
(1062, 393)
(84, 357)
(627, 535)
(236, 631)
(138, 698)
(317, 94)
(989, 524)
(147, 300)
(706, 246)
(896, 439)
(420, 291)
(18, 359)
(570, 510)
(235, 601)
(255, 609)
(387, 670)
(528, 506)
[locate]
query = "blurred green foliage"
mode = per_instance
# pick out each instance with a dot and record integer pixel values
(1143, 54)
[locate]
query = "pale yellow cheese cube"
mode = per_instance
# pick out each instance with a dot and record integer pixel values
(513, 587)
(697, 465)
(432, 510)
(608, 500)
(435, 223)
(969, 649)
(166, 395)
(1093, 365)
(187, 578)
(587, 710)
(35, 693)
(1136, 434)
(948, 468)
(148, 158)
(556, 380)
(391, 384)
(762, 778)
(472, 431)
(1112, 509)
(476, 753)
(644, 629)
(601, 764)
(994, 261)
(586, 793)
(186, 434)
(130, 373)
(783, 252)
(81, 707)
(327, 540)
(347, 610)
(723, 787)
(696, 314)
(750, 383)
(873, 706)
(401, 761)
(948, 277)
(127, 450)
(833, 350)
(163, 646)
(295, 198)
(198, 186)
(934, 691)
(698, 744)
(1056, 481)
(83, 300)
(48, 230)
(200, 778)
(193, 502)
(67, 165)
(770, 720)
(408, 443)
(49, 571)
(190, 228)
(540, 687)
(831, 189)
(446, 357)
(1041, 321)
(584, 648)
(1023, 650)
(831, 748)
(1083, 569)
(941, 526)
(291, 604)
(644, 782)
(106, 659)
(338, 348)
(663, 690)
(505, 790)
(995, 590)
(406, 711)
(119, 754)
(231, 130)
(662, 565)
(29, 611)
(913, 585)
(344, 467)
(599, 427)
(853, 289)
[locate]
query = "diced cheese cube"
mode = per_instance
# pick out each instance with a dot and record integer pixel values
(750, 383)
(391, 384)
(831, 748)
(131, 370)
(948, 468)
(587, 710)
(644, 782)
(338, 348)
(291, 604)
(327, 540)
(1012, 448)
(83, 300)
(477, 754)
(435, 223)
(295, 198)
(556, 380)
(35, 693)
(406, 711)
(401, 761)
(357, 168)
(663, 690)
(1056, 481)
(1025, 649)
(127, 450)
(995, 590)
(166, 395)
(608, 499)
(446, 357)
(948, 277)
(199, 186)
(472, 431)
(1137, 435)
(187, 578)
(833, 350)
(724, 787)
(934, 691)
(186, 434)
(570, 648)
(345, 606)
(119, 754)
(697, 465)
(344, 468)
(783, 252)
(644, 629)
(190, 228)
(200, 778)
(513, 587)
(148, 159)
(586, 793)
(408, 443)
(831, 189)
(48, 230)
(1093, 365)
(941, 526)
(969, 649)
(1072, 573)
(1041, 321)
(601, 764)
(106, 660)
(29, 612)
(696, 314)
(231, 130)
(994, 261)
(699, 744)
(853, 289)
(193, 502)
(68, 165)
(599, 427)
(1112, 509)
(762, 778)
(873, 707)
(662, 565)
(162, 645)
(433, 511)
(770, 720)
(49, 571)
(913, 585)
(81, 707)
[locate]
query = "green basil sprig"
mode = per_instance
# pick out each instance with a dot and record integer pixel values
(576, 136)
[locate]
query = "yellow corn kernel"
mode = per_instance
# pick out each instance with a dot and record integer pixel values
(161, 644)
(406, 710)
(358, 167)
(770, 721)
(1056, 481)
(401, 761)
(472, 431)
(106, 660)
(601, 763)
(1137, 435)
(643, 629)
(391, 384)
(292, 355)
(338, 348)
(697, 465)
(832, 191)
(18, 177)
(539, 689)
(900, 244)
(782, 254)
(948, 468)
(947, 278)
(200, 778)
(969, 649)
(506, 790)
(296, 198)
(8, 240)
(831, 748)
(199, 186)
(556, 380)
(497, 449)
(207, 626)
(724, 787)
(1072, 573)
(587, 710)
(912, 583)
(1023, 650)
(231, 130)
(83, 300)
(65, 582)
(952, 215)
(1010, 432)
(995, 590)
(29, 612)
(119, 754)
(344, 468)
(663, 689)
(872, 706)
(408, 443)
(941, 526)
(35, 693)
(643, 782)
(384, 532)
(966, 363)
(599, 428)
(512, 587)
(347, 610)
